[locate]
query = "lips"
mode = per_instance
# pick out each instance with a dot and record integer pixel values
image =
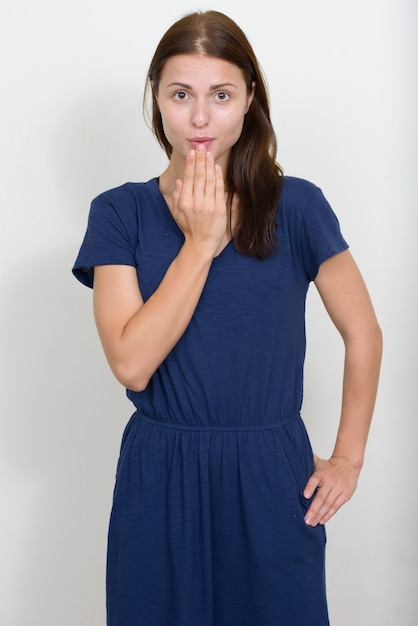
(200, 141)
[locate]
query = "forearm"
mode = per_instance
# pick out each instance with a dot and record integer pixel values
(335, 480)
(361, 375)
(347, 301)
(145, 339)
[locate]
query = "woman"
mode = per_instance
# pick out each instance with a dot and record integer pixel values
(200, 280)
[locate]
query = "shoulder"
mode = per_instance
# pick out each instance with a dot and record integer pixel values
(301, 199)
(122, 204)
(128, 193)
(303, 208)
(298, 191)
(308, 221)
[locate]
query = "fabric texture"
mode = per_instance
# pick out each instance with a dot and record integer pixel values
(207, 523)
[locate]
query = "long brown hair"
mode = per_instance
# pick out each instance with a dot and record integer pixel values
(253, 173)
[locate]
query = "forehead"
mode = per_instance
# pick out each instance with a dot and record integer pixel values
(200, 69)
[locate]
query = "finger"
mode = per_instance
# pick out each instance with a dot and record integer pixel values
(220, 187)
(210, 175)
(325, 504)
(311, 486)
(329, 509)
(200, 174)
(318, 509)
(189, 172)
(332, 510)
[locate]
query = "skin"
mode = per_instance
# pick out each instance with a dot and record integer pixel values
(203, 101)
(207, 98)
(347, 301)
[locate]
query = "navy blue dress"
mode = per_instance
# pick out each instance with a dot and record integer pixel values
(207, 525)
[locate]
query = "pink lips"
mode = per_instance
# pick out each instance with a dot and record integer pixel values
(200, 141)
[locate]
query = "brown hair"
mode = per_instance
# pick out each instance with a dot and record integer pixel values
(253, 173)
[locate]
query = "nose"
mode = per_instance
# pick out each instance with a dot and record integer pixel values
(200, 116)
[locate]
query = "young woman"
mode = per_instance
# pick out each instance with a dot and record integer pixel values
(200, 279)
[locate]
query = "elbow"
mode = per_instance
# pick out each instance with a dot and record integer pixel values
(379, 340)
(369, 337)
(137, 385)
(375, 341)
(131, 378)
(376, 337)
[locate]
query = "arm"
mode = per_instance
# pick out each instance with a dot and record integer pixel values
(347, 301)
(137, 336)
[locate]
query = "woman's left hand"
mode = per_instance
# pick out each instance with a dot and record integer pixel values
(334, 481)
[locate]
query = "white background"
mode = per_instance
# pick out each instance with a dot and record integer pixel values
(343, 82)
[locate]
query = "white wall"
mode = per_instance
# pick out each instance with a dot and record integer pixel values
(343, 80)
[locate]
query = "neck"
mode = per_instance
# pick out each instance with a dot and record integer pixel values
(167, 181)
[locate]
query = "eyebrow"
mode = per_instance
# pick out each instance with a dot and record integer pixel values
(211, 88)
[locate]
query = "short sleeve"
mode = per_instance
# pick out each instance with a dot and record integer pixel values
(111, 235)
(320, 234)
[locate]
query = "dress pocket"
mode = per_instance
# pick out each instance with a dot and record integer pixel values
(298, 452)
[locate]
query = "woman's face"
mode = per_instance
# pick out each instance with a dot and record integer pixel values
(202, 99)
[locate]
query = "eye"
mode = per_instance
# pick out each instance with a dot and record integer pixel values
(222, 96)
(180, 95)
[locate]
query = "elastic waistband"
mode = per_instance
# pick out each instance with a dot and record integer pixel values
(204, 428)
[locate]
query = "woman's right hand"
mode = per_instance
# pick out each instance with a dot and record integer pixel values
(199, 205)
